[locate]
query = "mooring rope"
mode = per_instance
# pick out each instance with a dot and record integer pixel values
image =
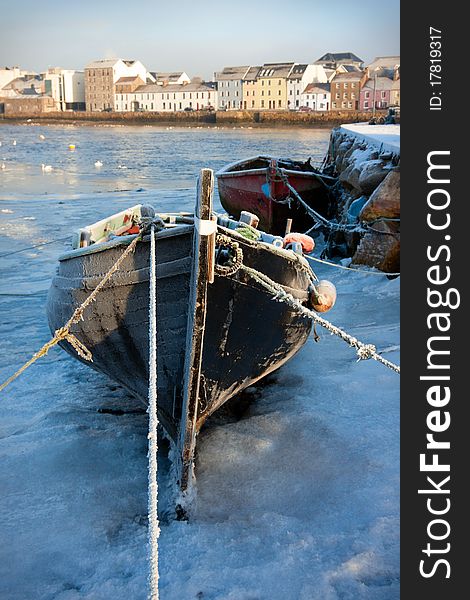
(331, 264)
(364, 351)
(63, 333)
(154, 527)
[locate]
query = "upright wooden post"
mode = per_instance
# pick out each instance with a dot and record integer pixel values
(202, 273)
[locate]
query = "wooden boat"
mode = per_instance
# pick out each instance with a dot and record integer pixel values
(215, 335)
(259, 185)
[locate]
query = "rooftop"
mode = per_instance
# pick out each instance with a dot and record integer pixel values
(339, 57)
(354, 76)
(317, 88)
(276, 69)
(230, 73)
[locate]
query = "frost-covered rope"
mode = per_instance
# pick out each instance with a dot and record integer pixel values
(364, 351)
(154, 527)
(331, 264)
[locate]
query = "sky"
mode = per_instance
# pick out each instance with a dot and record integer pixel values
(195, 36)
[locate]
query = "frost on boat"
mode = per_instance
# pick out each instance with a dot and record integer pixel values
(216, 335)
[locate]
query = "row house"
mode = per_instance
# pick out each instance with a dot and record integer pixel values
(66, 87)
(268, 89)
(170, 98)
(248, 87)
(230, 87)
(376, 93)
(101, 77)
(316, 96)
(346, 90)
(395, 93)
(299, 77)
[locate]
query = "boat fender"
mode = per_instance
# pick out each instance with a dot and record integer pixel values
(322, 296)
(249, 218)
(307, 242)
(295, 247)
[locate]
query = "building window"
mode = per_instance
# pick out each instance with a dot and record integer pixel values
(279, 82)
(367, 94)
(262, 103)
(353, 85)
(366, 104)
(279, 93)
(333, 104)
(164, 106)
(343, 105)
(180, 106)
(337, 96)
(290, 93)
(349, 104)
(269, 82)
(269, 92)
(345, 96)
(252, 104)
(345, 86)
(337, 86)
(279, 103)
(383, 94)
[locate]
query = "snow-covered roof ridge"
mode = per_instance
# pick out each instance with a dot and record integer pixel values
(386, 137)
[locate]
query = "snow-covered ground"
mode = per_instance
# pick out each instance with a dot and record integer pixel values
(385, 137)
(297, 495)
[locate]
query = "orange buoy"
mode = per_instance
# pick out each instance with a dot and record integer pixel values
(307, 242)
(322, 296)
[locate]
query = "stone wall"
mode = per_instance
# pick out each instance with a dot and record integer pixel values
(367, 194)
(230, 117)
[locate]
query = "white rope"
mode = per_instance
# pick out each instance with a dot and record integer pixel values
(154, 527)
(361, 271)
(364, 351)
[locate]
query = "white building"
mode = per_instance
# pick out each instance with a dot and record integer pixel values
(316, 96)
(230, 87)
(298, 79)
(169, 98)
(67, 88)
(101, 77)
(7, 74)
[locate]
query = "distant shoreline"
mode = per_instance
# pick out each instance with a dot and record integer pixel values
(198, 118)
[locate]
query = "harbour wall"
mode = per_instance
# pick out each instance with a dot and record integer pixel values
(182, 118)
(366, 195)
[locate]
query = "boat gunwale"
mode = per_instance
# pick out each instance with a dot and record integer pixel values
(124, 240)
(226, 171)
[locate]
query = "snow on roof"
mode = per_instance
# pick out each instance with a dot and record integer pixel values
(387, 137)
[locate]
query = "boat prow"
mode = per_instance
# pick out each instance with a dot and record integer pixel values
(218, 330)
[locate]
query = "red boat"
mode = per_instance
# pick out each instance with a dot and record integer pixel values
(260, 185)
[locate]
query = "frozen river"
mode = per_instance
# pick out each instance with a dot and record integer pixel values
(297, 497)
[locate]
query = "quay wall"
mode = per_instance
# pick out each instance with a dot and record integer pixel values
(366, 197)
(182, 118)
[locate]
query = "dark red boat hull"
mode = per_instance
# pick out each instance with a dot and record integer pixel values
(251, 190)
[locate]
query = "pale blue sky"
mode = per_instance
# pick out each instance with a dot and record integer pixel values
(197, 36)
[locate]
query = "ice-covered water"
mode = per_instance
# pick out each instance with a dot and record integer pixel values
(297, 496)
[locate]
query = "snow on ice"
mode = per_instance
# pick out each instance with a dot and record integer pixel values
(297, 493)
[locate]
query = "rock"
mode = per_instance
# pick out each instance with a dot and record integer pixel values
(372, 175)
(380, 248)
(386, 155)
(350, 178)
(385, 201)
(355, 208)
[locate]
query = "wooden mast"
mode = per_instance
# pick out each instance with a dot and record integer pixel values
(205, 227)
